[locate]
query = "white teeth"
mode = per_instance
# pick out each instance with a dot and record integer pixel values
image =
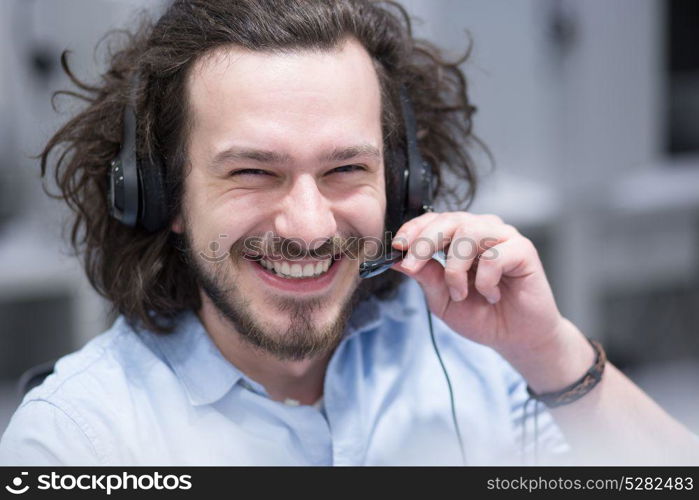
(297, 270)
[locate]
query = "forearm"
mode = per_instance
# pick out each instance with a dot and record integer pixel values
(616, 422)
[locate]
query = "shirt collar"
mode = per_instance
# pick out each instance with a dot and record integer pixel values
(198, 363)
(207, 375)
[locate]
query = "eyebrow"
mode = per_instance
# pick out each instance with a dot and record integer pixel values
(350, 152)
(273, 157)
(256, 155)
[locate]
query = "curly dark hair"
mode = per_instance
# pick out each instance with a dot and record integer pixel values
(142, 274)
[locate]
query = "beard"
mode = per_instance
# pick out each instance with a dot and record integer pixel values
(302, 339)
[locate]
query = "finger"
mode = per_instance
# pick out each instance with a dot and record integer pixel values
(467, 244)
(431, 279)
(406, 233)
(434, 237)
(502, 259)
(491, 218)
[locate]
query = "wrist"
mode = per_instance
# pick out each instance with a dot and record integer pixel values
(556, 364)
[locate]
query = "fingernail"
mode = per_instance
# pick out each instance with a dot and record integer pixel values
(455, 294)
(493, 298)
(400, 241)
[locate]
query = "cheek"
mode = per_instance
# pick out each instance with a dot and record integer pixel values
(377, 209)
(364, 213)
(215, 218)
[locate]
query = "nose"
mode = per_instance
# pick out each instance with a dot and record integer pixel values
(306, 214)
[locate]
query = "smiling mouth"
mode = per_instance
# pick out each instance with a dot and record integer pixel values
(292, 270)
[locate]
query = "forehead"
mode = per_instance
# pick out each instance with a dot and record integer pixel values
(293, 101)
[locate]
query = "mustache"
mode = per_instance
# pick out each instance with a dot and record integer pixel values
(273, 247)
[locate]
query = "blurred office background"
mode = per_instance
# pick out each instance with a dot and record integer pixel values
(591, 111)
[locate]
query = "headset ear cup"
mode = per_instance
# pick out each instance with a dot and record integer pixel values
(154, 214)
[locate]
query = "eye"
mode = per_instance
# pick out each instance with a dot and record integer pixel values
(347, 169)
(249, 171)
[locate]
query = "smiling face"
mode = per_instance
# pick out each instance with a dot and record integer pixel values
(289, 146)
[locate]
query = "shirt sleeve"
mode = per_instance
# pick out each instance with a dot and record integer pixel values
(539, 439)
(41, 433)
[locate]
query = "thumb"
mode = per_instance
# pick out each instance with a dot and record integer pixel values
(431, 279)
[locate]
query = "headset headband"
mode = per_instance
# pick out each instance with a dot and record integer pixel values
(136, 191)
(418, 173)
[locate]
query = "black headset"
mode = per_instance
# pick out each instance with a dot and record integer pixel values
(136, 186)
(415, 188)
(137, 189)
(417, 174)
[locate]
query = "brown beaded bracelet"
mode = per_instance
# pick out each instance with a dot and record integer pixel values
(579, 388)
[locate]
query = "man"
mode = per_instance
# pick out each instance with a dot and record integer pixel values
(279, 122)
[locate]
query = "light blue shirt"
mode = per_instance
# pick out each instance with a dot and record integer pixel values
(139, 398)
